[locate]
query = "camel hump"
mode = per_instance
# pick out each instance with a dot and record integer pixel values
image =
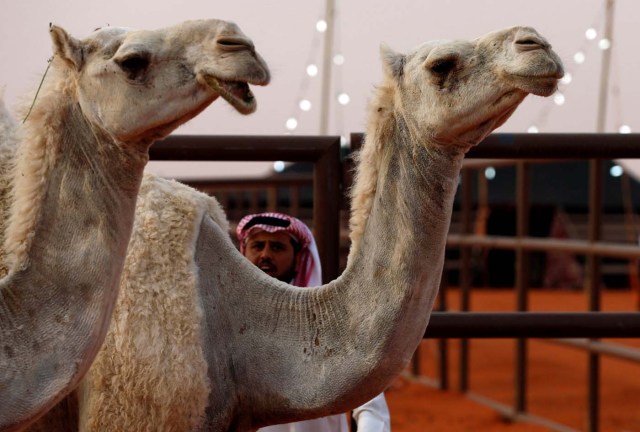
(175, 200)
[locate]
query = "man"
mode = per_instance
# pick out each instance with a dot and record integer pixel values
(284, 247)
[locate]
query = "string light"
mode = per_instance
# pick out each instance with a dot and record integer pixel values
(278, 166)
(559, 99)
(579, 57)
(566, 79)
(343, 98)
(292, 123)
(304, 102)
(616, 171)
(592, 39)
(305, 105)
(312, 70)
(490, 173)
(321, 26)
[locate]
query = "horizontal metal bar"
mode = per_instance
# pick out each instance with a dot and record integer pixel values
(558, 145)
(582, 247)
(508, 413)
(242, 184)
(547, 146)
(611, 349)
(533, 325)
(242, 148)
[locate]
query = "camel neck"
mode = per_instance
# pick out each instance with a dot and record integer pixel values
(398, 264)
(71, 219)
(72, 189)
(411, 210)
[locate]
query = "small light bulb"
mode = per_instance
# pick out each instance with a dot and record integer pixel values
(559, 99)
(343, 98)
(321, 26)
(312, 70)
(591, 34)
(624, 129)
(278, 166)
(566, 79)
(533, 129)
(616, 171)
(292, 123)
(338, 59)
(604, 44)
(579, 57)
(305, 105)
(490, 173)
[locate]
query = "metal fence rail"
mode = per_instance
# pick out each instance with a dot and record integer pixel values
(546, 325)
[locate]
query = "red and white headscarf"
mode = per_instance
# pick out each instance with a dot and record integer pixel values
(309, 271)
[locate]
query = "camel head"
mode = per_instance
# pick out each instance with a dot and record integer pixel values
(139, 86)
(459, 91)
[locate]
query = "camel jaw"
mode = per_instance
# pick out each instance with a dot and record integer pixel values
(545, 86)
(237, 93)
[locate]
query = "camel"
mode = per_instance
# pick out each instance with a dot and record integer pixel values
(78, 168)
(202, 340)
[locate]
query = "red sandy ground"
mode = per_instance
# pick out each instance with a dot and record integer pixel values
(557, 377)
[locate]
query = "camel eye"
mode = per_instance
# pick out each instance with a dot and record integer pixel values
(134, 65)
(443, 67)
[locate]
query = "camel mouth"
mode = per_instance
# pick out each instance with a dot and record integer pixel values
(236, 93)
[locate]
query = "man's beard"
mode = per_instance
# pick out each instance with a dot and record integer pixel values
(267, 266)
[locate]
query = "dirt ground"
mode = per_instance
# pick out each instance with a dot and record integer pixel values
(556, 377)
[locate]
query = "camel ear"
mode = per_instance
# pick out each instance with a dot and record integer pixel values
(393, 62)
(67, 47)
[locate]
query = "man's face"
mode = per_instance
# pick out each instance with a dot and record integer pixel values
(273, 253)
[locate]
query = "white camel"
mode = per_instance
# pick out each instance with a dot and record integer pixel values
(203, 340)
(78, 168)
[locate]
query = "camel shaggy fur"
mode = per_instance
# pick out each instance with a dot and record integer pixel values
(257, 351)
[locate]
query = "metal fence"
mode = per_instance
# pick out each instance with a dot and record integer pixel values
(521, 149)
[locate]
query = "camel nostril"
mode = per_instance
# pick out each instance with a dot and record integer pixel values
(530, 43)
(235, 44)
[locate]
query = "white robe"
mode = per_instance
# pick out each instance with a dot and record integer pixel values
(373, 416)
